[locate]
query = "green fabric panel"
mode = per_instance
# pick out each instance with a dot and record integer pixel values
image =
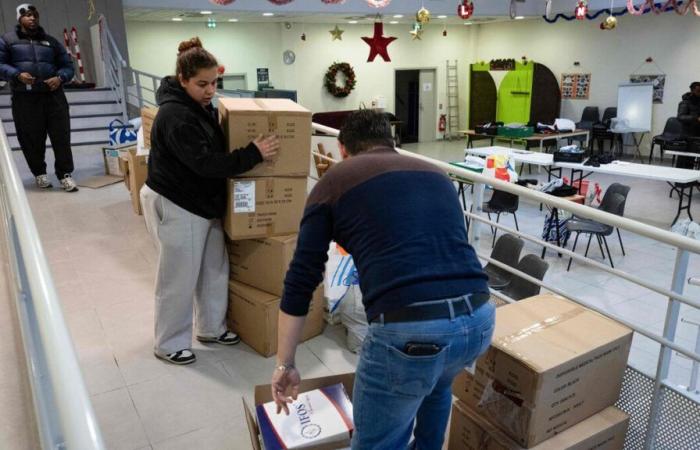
(515, 95)
(480, 67)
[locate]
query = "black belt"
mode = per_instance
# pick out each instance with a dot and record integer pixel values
(434, 311)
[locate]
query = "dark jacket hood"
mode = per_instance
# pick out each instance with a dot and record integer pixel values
(171, 91)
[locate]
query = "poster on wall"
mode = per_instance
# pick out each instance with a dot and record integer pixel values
(658, 81)
(575, 86)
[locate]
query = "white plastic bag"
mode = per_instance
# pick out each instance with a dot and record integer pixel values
(340, 270)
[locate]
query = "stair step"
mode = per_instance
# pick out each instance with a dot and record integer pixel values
(78, 137)
(76, 122)
(77, 109)
(73, 95)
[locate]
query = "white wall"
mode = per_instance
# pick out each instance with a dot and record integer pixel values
(610, 56)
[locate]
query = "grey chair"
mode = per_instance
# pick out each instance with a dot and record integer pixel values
(507, 251)
(615, 205)
(590, 116)
(670, 139)
(501, 202)
(601, 130)
(623, 190)
(520, 288)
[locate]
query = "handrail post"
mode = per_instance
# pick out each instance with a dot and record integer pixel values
(680, 271)
(139, 95)
(477, 202)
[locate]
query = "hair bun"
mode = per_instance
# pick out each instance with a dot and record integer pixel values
(189, 44)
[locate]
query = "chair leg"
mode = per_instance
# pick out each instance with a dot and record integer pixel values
(515, 217)
(600, 245)
(651, 153)
(495, 230)
(590, 236)
(573, 250)
(605, 241)
(620, 238)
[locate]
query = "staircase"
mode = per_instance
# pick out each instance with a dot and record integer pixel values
(91, 111)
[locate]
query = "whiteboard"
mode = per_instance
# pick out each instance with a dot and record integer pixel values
(634, 105)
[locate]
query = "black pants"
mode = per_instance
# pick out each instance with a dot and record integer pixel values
(35, 116)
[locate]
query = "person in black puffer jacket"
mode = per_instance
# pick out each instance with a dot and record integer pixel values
(689, 116)
(184, 199)
(36, 65)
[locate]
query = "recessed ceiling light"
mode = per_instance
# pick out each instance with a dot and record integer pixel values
(519, 17)
(442, 17)
(394, 22)
(398, 16)
(177, 19)
(268, 14)
(352, 21)
(233, 20)
(206, 13)
(467, 23)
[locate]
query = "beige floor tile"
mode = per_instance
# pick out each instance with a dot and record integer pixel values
(229, 435)
(17, 430)
(119, 422)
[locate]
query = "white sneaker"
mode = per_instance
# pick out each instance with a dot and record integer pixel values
(42, 181)
(68, 184)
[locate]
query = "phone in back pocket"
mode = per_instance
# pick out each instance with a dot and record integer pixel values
(421, 349)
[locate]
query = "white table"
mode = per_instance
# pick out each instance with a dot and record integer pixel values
(521, 156)
(686, 178)
(558, 135)
(696, 156)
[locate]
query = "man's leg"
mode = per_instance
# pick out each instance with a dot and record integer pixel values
(30, 117)
(59, 133)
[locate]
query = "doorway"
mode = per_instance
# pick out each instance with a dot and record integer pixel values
(415, 104)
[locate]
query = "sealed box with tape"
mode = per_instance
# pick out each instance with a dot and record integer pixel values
(551, 365)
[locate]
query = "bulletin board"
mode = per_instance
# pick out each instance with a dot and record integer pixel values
(575, 86)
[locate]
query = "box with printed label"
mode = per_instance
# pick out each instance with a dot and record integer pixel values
(552, 363)
(264, 207)
(244, 119)
(148, 115)
(262, 263)
(112, 156)
(263, 395)
(252, 314)
(603, 431)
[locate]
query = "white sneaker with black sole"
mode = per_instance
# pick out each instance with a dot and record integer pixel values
(181, 358)
(69, 184)
(42, 182)
(228, 338)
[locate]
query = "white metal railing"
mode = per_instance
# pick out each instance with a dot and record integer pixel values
(65, 417)
(114, 66)
(684, 246)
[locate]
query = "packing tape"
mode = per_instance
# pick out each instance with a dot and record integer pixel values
(538, 327)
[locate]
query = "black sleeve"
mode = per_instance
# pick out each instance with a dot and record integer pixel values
(8, 72)
(191, 146)
(684, 114)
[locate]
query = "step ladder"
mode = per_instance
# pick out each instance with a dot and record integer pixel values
(452, 100)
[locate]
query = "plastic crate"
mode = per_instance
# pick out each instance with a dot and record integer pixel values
(521, 132)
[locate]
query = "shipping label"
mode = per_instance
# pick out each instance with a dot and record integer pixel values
(243, 197)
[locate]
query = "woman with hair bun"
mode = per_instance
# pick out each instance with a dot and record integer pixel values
(184, 199)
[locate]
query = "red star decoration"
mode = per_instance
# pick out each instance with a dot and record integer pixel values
(378, 43)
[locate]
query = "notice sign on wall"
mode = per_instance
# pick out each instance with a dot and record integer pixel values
(575, 86)
(659, 82)
(263, 77)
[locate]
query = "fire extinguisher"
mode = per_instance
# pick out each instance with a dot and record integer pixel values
(442, 124)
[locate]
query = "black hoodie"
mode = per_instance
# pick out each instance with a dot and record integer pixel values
(189, 163)
(688, 114)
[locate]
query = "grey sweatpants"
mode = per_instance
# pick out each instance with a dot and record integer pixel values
(192, 269)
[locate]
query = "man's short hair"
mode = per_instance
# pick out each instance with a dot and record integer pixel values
(364, 130)
(694, 84)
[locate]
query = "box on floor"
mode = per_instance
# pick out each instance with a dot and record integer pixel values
(263, 394)
(605, 430)
(135, 169)
(252, 314)
(262, 263)
(264, 207)
(552, 364)
(244, 119)
(112, 157)
(148, 115)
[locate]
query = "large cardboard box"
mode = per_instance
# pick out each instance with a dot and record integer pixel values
(552, 364)
(112, 156)
(264, 207)
(603, 431)
(244, 119)
(262, 263)
(252, 314)
(263, 394)
(148, 115)
(135, 174)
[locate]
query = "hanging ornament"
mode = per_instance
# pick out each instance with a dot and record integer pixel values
(465, 9)
(378, 43)
(423, 16)
(610, 23)
(548, 10)
(280, 2)
(222, 2)
(634, 11)
(221, 69)
(337, 34)
(378, 3)
(417, 31)
(581, 10)
(333, 2)
(444, 30)
(303, 37)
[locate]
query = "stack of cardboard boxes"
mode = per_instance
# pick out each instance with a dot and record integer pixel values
(549, 381)
(264, 210)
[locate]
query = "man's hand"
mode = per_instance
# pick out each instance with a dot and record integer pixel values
(268, 146)
(285, 381)
(26, 78)
(53, 83)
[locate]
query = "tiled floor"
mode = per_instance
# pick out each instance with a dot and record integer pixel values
(103, 263)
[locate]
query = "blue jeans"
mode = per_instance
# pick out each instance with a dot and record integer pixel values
(393, 390)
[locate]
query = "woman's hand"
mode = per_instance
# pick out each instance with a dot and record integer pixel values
(268, 146)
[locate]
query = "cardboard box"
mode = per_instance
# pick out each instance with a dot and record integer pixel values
(263, 394)
(244, 119)
(552, 364)
(148, 115)
(112, 157)
(603, 431)
(264, 207)
(252, 314)
(262, 263)
(136, 172)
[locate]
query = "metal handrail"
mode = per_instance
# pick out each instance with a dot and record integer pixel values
(65, 417)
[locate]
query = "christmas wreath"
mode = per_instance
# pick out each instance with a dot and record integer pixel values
(331, 83)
